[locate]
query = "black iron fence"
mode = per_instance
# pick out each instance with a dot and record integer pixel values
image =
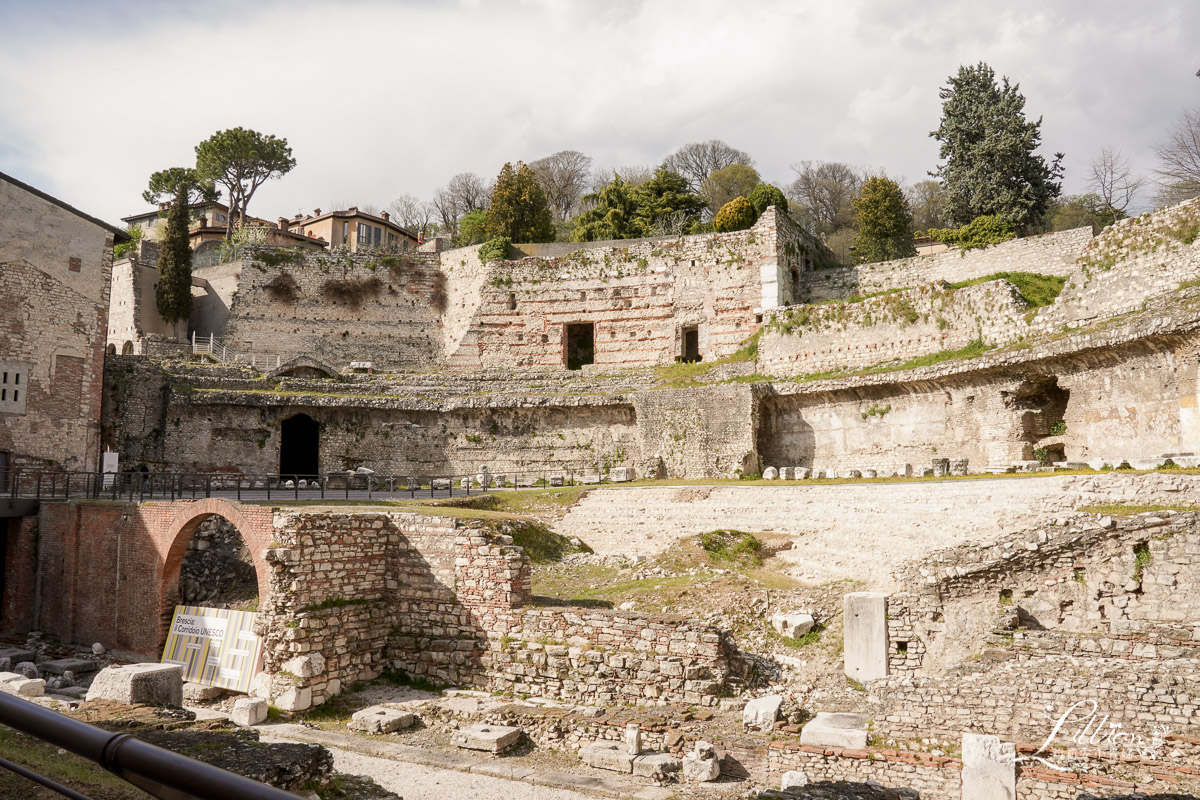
(158, 772)
(48, 485)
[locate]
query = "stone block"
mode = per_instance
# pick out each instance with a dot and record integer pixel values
(828, 729)
(24, 687)
(588, 477)
(441, 483)
(305, 666)
(249, 711)
(380, 719)
(787, 474)
(770, 474)
(633, 739)
(620, 474)
(200, 693)
(988, 768)
(802, 473)
(294, 698)
(702, 764)
(490, 738)
(525, 480)
(140, 684)
(652, 764)
(761, 712)
(941, 467)
(853, 473)
(16, 655)
(76, 665)
(556, 480)
(864, 619)
(792, 625)
(27, 669)
(958, 466)
(1145, 463)
(607, 755)
(869, 473)
(793, 779)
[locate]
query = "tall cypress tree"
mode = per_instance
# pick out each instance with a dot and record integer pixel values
(991, 166)
(173, 293)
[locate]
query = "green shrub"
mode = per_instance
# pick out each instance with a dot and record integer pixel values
(765, 195)
(1058, 428)
(736, 215)
(736, 547)
(495, 249)
(978, 233)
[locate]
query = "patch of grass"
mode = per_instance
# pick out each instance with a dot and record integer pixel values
(737, 547)
(68, 769)
(1035, 288)
(542, 545)
(1126, 510)
(684, 374)
(1141, 560)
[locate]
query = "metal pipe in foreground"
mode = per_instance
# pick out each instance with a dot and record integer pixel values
(159, 772)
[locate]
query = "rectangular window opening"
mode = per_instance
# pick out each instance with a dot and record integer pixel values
(691, 345)
(580, 344)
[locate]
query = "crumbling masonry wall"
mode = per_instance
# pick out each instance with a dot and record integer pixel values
(445, 599)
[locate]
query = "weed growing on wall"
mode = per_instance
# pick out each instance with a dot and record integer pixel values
(1035, 289)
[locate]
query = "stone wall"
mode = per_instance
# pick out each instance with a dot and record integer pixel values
(802, 340)
(640, 295)
(338, 308)
(443, 599)
(1050, 254)
(55, 278)
(701, 432)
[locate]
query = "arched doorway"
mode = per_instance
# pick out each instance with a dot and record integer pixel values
(217, 570)
(300, 447)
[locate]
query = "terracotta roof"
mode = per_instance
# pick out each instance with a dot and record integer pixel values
(119, 235)
(352, 214)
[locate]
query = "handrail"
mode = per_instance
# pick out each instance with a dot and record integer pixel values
(136, 486)
(158, 772)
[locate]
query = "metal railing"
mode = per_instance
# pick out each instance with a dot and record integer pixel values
(212, 346)
(158, 772)
(136, 486)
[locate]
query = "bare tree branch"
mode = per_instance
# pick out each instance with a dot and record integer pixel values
(1178, 170)
(697, 160)
(564, 178)
(1112, 179)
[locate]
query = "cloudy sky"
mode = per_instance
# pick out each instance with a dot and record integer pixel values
(383, 98)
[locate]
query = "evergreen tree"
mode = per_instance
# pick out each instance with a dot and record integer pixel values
(991, 166)
(765, 195)
(662, 205)
(173, 292)
(611, 215)
(736, 215)
(519, 209)
(884, 222)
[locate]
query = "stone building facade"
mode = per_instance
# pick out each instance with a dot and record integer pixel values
(55, 277)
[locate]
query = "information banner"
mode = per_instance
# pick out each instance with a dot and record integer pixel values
(215, 646)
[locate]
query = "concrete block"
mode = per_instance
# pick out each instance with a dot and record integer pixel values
(793, 779)
(652, 764)
(380, 719)
(793, 625)
(607, 755)
(989, 769)
(249, 711)
(491, 738)
(866, 638)
(200, 693)
(828, 729)
(140, 684)
(761, 712)
(76, 665)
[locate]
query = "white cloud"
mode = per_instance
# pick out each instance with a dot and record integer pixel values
(380, 98)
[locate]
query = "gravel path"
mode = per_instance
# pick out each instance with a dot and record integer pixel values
(419, 782)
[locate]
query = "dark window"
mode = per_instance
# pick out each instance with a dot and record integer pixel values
(691, 344)
(580, 344)
(299, 446)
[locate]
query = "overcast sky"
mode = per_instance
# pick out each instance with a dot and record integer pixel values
(383, 98)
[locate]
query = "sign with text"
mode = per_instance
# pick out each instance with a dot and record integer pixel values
(215, 646)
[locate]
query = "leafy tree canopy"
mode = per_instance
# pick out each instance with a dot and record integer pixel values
(976, 234)
(472, 228)
(662, 205)
(241, 160)
(989, 148)
(165, 183)
(884, 222)
(736, 180)
(518, 208)
(765, 195)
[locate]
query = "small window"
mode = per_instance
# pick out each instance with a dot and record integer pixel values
(758, 319)
(12, 399)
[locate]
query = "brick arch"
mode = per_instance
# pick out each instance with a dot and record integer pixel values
(253, 523)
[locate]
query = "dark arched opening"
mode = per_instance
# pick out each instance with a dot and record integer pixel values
(300, 447)
(217, 569)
